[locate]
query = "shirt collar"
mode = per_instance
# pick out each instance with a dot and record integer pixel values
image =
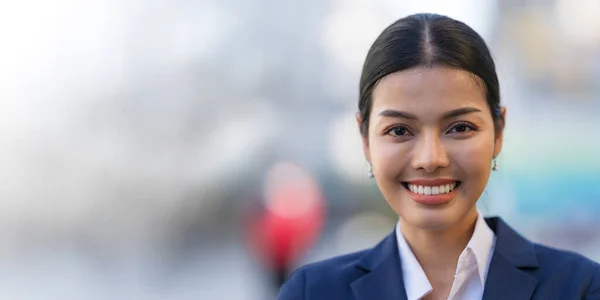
(415, 281)
(482, 243)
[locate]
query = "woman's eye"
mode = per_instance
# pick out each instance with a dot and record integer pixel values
(398, 131)
(461, 128)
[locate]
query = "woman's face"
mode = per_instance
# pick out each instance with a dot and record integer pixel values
(431, 142)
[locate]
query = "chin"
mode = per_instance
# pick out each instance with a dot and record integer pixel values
(437, 218)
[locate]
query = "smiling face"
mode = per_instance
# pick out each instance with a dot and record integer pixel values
(431, 140)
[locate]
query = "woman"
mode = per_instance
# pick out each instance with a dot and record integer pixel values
(432, 126)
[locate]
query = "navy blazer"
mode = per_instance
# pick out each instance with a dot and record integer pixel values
(519, 270)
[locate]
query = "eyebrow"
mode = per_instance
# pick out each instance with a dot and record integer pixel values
(448, 115)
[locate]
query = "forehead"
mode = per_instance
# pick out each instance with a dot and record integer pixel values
(428, 90)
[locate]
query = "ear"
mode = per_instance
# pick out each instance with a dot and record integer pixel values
(364, 139)
(500, 133)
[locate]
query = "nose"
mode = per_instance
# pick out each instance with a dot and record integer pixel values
(430, 153)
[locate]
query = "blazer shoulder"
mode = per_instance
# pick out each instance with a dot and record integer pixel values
(555, 257)
(325, 277)
(332, 266)
(584, 273)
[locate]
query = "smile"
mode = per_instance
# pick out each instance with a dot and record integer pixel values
(432, 192)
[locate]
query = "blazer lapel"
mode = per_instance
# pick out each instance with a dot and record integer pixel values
(383, 280)
(506, 278)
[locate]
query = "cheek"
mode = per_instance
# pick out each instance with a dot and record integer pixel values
(389, 158)
(474, 156)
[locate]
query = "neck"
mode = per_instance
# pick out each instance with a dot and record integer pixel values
(438, 250)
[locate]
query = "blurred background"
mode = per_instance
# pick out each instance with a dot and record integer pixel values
(202, 149)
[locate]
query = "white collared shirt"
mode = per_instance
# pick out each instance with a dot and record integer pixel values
(471, 271)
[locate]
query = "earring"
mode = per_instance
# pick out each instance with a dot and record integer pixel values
(495, 166)
(370, 173)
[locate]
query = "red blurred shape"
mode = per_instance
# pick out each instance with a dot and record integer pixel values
(291, 220)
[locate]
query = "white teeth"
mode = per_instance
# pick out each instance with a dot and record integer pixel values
(431, 190)
(427, 190)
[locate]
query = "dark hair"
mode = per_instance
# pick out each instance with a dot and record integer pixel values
(428, 40)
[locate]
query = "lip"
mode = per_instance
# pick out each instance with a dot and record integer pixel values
(432, 200)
